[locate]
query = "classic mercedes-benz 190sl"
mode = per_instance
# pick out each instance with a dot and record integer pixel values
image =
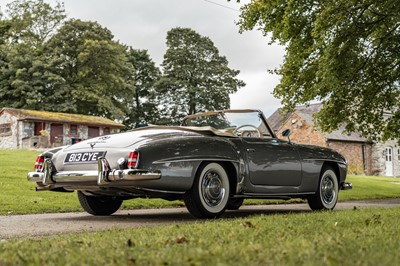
(213, 161)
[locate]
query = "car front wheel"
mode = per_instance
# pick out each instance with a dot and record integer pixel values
(234, 203)
(327, 194)
(209, 194)
(103, 205)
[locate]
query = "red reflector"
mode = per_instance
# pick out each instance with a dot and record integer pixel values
(133, 159)
(39, 163)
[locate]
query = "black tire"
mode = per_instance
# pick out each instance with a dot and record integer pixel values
(103, 205)
(328, 190)
(209, 194)
(234, 203)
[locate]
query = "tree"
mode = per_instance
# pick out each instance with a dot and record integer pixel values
(195, 77)
(142, 107)
(34, 21)
(24, 71)
(343, 53)
(94, 69)
(51, 64)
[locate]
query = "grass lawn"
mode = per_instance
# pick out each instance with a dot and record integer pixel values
(18, 196)
(351, 237)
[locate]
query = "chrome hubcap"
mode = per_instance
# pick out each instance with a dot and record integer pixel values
(328, 191)
(212, 189)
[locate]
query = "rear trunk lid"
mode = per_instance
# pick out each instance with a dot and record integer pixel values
(127, 139)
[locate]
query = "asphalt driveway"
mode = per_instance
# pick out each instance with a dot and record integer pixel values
(36, 225)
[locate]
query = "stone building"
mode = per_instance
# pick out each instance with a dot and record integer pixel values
(357, 149)
(386, 158)
(21, 128)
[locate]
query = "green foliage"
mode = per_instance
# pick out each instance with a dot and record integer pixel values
(353, 237)
(94, 69)
(51, 64)
(143, 106)
(34, 21)
(343, 53)
(24, 71)
(196, 78)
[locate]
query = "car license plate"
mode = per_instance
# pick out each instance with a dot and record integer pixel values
(83, 157)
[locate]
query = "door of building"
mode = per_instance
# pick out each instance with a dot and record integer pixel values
(93, 132)
(56, 134)
(389, 161)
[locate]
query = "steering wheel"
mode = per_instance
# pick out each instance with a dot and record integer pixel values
(247, 125)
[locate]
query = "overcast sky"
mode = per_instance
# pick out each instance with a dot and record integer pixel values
(143, 24)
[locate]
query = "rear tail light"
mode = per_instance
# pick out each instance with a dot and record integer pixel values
(133, 159)
(39, 163)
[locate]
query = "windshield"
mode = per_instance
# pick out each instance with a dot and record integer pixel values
(248, 124)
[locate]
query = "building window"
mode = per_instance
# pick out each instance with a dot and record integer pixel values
(73, 130)
(5, 129)
(106, 131)
(39, 127)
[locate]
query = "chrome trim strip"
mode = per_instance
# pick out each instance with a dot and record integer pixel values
(134, 174)
(326, 160)
(196, 159)
(252, 194)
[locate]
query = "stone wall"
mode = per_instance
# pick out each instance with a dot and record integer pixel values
(9, 142)
(379, 158)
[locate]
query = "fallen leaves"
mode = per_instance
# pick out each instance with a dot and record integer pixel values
(375, 219)
(178, 240)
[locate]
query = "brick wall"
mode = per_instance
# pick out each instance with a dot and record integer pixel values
(302, 132)
(358, 155)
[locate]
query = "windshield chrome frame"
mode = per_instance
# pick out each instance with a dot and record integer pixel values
(260, 115)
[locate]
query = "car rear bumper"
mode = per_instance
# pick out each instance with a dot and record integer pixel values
(104, 174)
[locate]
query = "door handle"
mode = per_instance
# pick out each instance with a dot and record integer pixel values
(250, 150)
(275, 142)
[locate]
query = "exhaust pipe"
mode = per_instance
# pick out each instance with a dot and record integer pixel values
(44, 188)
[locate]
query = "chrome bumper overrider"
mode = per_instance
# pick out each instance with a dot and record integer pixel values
(346, 186)
(103, 175)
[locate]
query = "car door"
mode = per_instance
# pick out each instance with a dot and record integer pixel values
(272, 162)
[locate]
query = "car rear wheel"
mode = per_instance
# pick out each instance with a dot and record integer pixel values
(327, 193)
(209, 194)
(103, 205)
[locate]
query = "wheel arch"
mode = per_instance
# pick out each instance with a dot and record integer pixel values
(334, 166)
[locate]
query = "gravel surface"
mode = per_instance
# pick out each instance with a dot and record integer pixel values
(36, 225)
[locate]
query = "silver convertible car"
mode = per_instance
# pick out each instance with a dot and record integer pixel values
(212, 162)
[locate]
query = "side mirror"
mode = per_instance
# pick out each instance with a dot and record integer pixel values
(286, 133)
